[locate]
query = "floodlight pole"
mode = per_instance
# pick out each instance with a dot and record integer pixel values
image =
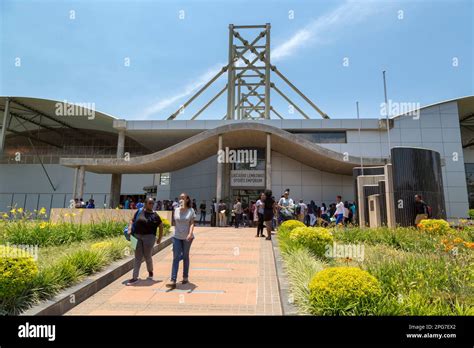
(387, 114)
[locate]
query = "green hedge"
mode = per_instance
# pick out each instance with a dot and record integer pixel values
(343, 290)
(316, 239)
(17, 269)
(67, 269)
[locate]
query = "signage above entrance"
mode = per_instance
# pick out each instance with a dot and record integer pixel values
(247, 178)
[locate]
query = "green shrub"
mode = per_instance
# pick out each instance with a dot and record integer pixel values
(166, 226)
(343, 290)
(314, 238)
(423, 283)
(113, 249)
(434, 226)
(41, 233)
(471, 213)
(17, 269)
(404, 238)
(287, 226)
(301, 266)
(88, 261)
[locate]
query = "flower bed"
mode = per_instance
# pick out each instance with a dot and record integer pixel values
(404, 271)
(66, 253)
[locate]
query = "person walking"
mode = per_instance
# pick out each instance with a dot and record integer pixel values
(324, 212)
(182, 238)
(269, 211)
(222, 211)
(202, 209)
(238, 212)
(312, 213)
(259, 209)
(301, 210)
(286, 207)
(146, 221)
(339, 213)
(421, 209)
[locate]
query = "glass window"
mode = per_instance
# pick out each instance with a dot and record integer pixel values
(246, 166)
(470, 183)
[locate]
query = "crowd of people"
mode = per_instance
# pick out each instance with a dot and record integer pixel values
(265, 214)
(242, 214)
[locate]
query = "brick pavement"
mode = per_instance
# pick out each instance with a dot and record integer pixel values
(231, 273)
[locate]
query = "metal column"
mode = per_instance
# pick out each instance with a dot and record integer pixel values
(220, 171)
(268, 167)
(267, 71)
(3, 131)
(230, 76)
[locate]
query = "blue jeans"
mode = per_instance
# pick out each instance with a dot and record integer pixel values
(181, 249)
(339, 218)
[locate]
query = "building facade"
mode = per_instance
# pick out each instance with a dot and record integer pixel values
(47, 164)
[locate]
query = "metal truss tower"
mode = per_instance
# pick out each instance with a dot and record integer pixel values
(249, 83)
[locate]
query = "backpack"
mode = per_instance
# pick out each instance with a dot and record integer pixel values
(125, 230)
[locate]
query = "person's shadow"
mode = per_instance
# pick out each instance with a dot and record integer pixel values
(189, 287)
(143, 282)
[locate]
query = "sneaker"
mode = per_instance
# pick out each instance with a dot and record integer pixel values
(185, 281)
(132, 281)
(171, 284)
(150, 275)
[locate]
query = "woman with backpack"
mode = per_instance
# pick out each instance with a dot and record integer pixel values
(183, 237)
(144, 224)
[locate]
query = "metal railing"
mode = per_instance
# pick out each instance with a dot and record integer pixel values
(36, 201)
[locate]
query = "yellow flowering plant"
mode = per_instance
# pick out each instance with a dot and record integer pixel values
(338, 290)
(315, 239)
(17, 269)
(434, 226)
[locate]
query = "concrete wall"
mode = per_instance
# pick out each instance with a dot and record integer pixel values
(308, 183)
(437, 128)
(31, 180)
(198, 181)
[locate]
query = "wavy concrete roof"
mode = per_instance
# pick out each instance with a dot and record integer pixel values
(237, 135)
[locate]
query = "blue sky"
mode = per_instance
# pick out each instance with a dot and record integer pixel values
(82, 59)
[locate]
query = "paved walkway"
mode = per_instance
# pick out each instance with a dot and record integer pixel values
(231, 272)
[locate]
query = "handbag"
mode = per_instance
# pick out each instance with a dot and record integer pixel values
(125, 230)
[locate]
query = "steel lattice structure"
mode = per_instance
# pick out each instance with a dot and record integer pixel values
(249, 82)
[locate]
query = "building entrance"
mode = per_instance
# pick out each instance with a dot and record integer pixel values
(246, 195)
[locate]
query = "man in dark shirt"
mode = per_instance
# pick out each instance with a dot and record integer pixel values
(421, 209)
(202, 208)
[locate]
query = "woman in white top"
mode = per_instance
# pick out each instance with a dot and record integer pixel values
(183, 237)
(259, 206)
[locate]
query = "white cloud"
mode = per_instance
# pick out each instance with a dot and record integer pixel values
(187, 91)
(320, 30)
(326, 26)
